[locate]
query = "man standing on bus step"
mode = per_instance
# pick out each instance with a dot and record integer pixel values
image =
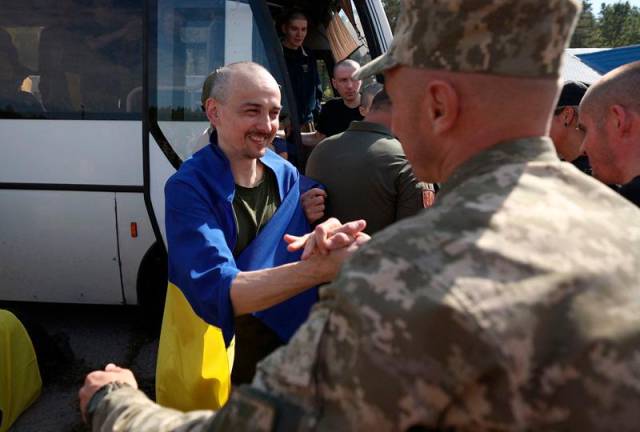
(337, 114)
(610, 118)
(365, 171)
(488, 312)
(302, 68)
(227, 210)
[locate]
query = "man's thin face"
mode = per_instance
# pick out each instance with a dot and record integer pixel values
(295, 32)
(247, 121)
(346, 86)
(598, 147)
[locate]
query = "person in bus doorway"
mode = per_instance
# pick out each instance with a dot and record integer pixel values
(489, 311)
(337, 114)
(231, 277)
(302, 68)
(566, 136)
(610, 119)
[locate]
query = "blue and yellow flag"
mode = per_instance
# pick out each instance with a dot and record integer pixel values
(195, 357)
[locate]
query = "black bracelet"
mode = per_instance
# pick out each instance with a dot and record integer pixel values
(99, 395)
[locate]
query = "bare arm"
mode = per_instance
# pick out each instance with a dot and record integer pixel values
(325, 250)
(257, 290)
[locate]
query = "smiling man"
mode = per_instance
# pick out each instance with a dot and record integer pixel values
(227, 209)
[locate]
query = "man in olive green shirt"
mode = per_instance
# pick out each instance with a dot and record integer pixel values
(365, 171)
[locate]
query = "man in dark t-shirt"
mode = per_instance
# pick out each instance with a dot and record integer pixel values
(337, 114)
(302, 69)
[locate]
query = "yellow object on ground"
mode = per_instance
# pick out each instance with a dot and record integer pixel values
(20, 382)
(194, 367)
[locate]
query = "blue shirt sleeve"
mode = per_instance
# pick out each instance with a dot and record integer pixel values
(201, 264)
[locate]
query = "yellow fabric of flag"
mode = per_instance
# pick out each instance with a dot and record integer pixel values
(194, 366)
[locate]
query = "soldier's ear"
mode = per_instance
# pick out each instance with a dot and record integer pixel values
(442, 104)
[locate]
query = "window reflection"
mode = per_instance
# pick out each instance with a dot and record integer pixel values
(85, 57)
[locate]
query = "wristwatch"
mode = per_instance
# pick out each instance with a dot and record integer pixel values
(99, 395)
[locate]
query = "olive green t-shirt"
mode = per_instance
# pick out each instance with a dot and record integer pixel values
(253, 208)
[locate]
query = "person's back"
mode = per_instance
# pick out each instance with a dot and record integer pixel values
(510, 326)
(365, 170)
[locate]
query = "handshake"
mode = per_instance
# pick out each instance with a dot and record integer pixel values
(330, 237)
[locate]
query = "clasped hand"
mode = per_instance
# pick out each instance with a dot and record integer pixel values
(330, 237)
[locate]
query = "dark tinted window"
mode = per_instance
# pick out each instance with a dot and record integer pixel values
(71, 59)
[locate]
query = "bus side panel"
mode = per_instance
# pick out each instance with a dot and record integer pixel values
(133, 242)
(72, 152)
(59, 246)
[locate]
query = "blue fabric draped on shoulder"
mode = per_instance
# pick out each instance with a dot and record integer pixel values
(201, 235)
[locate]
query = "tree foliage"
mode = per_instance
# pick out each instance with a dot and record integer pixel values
(616, 25)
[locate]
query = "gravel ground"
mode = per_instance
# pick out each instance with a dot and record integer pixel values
(72, 340)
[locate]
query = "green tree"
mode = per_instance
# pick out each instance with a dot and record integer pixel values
(586, 32)
(619, 25)
(392, 9)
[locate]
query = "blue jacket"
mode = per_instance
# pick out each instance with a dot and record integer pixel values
(201, 235)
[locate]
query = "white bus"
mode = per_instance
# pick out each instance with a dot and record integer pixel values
(99, 104)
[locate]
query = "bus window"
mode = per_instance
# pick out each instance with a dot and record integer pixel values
(73, 59)
(194, 38)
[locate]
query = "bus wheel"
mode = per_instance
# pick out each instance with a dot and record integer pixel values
(152, 286)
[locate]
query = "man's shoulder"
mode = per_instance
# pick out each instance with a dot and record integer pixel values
(333, 104)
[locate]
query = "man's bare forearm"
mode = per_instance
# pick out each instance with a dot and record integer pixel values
(257, 290)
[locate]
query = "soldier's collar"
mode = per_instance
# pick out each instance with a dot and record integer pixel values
(517, 151)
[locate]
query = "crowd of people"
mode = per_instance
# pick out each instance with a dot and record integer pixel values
(508, 301)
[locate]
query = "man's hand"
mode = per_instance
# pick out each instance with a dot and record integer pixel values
(329, 236)
(313, 204)
(97, 379)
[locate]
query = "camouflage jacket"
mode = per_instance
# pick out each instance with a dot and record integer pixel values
(513, 304)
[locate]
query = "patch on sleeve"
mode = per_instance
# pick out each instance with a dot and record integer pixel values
(428, 198)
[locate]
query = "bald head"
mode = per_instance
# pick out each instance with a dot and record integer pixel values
(610, 118)
(621, 86)
(443, 118)
(346, 64)
(223, 80)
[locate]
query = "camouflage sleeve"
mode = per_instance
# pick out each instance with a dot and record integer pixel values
(128, 410)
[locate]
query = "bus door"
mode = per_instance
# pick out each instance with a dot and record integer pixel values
(71, 179)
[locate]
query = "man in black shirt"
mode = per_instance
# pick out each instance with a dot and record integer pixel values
(337, 114)
(302, 68)
(610, 117)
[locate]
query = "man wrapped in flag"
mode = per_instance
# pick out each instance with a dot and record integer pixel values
(233, 286)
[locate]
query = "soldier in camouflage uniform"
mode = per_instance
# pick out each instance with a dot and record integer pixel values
(484, 313)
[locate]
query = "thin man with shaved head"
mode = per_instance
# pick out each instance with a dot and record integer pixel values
(227, 209)
(337, 114)
(610, 119)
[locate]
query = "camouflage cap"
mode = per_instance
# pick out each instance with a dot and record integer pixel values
(521, 38)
